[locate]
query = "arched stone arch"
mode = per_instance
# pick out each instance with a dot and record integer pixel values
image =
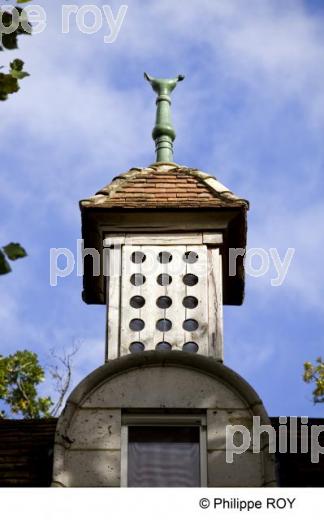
(88, 437)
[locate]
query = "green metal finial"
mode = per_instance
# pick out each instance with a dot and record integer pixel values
(163, 132)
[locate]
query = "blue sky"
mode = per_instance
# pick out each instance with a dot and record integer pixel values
(251, 112)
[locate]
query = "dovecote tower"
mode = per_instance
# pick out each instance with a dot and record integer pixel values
(159, 245)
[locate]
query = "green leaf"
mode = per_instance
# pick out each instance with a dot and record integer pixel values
(20, 374)
(16, 69)
(4, 266)
(19, 75)
(315, 374)
(17, 65)
(8, 85)
(9, 82)
(10, 41)
(14, 251)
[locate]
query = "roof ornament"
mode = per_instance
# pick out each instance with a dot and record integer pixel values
(163, 131)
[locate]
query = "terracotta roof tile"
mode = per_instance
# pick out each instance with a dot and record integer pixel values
(164, 185)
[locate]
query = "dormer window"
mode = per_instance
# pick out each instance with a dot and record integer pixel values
(163, 450)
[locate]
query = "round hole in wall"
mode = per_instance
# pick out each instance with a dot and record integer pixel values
(136, 325)
(190, 346)
(136, 346)
(137, 301)
(190, 257)
(190, 302)
(163, 345)
(190, 279)
(190, 325)
(137, 279)
(164, 302)
(163, 325)
(164, 257)
(138, 257)
(164, 279)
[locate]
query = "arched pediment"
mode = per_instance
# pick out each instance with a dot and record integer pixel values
(88, 437)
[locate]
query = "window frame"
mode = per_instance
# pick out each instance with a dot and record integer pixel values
(155, 420)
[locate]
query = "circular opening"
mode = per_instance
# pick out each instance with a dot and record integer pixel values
(190, 325)
(190, 346)
(190, 302)
(136, 325)
(164, 279)
(190, 279)
(137, 301)
(164, 257)
(138, 257)
(164, 302)
(190, 257)
(163, 345)
(136, 346)
(137, 279)
(163, 325)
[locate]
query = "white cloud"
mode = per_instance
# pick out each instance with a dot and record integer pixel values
(289, 228)
(250, 111)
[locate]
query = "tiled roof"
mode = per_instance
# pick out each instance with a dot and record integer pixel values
(164, 185)
(26, 452)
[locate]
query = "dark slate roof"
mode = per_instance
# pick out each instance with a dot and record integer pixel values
(26, 452)
(296, 469)
(26, 456)
(164, 185)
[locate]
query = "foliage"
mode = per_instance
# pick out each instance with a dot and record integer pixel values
(315, 374)
(12, 251)
(10, 41)
(20, 374)
(9, 81)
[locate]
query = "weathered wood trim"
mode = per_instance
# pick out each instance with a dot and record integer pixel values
(170, 221)
(213, 238)
(113, 285)
(215, 304)
(163, 239)
(114, 239)
(211, 343)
